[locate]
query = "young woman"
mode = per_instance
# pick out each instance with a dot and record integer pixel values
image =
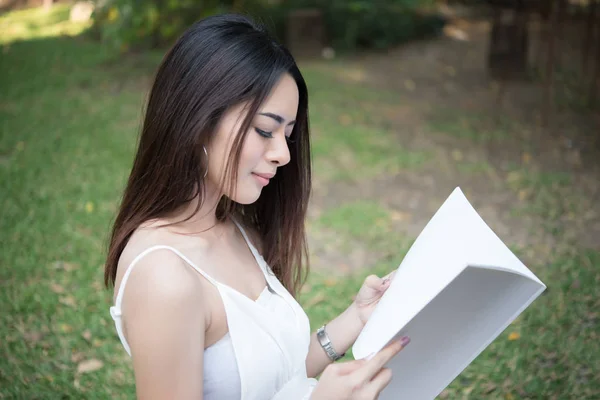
(208, 248)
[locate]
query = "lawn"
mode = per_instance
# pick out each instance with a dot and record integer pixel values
(69, 117)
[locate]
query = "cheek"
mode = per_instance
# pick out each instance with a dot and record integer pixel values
(220, 150)
(252, 153)
(217, 158)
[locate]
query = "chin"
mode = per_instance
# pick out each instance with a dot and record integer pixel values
(247, 196)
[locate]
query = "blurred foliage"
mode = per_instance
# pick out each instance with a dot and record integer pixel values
(350, 24)
(148, 23)
(377, 24)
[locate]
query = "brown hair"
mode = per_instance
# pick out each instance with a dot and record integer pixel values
(219, 62)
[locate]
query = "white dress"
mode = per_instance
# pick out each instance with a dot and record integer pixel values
(264, 353)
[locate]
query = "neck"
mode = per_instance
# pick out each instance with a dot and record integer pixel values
(204, 218)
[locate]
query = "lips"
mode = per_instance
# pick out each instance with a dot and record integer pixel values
(263, 179)
(266, 176)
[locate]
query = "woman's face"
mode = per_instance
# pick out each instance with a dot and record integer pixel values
(265, 147)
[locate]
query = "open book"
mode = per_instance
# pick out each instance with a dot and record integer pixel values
(456, 290)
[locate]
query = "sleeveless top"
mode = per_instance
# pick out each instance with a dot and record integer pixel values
(264, 353)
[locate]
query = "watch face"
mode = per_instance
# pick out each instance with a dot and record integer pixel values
(321, 333)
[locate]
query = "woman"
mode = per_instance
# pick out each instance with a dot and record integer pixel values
(220, 180)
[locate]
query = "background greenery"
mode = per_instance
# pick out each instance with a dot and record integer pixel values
(69, 114)
(127, 24)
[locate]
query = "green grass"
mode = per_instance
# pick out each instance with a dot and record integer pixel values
(479, 167)
(552, 196)
(350, 141)
(368, 224)
(69, 116)
(355, 152)
(365, 219)
(473, 127)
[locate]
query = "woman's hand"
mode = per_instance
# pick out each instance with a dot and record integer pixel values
(358, 379)
(370, 293)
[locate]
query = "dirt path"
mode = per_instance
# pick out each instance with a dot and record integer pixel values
(537, 189)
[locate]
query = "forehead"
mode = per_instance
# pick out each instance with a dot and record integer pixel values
(283, 99)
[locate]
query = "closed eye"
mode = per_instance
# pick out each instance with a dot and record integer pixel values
(264, 133)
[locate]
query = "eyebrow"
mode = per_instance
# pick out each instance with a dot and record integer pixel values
(277, 118)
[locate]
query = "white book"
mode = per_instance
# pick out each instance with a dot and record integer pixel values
(457, 289)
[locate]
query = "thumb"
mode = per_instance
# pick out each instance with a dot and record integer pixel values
(378, 284)
(373, 281)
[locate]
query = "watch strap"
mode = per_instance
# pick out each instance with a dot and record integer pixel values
(326, 344)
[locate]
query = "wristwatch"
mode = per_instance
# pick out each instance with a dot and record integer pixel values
(326, 345)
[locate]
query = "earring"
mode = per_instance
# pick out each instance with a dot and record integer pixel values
(205, 172)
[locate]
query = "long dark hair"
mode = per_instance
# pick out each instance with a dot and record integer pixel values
(219, 62)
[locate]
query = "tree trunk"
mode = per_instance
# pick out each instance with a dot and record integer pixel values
(588, 36)
(596, 77)
(549, 84)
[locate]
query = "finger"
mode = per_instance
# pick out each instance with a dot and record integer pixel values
(372, 367)
(345, 368)
(378, 383)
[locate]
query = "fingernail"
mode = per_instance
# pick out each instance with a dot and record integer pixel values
(404, 341)
(385, 282)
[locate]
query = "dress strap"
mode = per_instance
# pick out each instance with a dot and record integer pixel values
(253, 249)
(149, 250)
(116, 312)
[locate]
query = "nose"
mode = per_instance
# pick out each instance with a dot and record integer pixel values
(278, 152)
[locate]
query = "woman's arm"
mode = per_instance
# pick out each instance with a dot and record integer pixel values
(165, 318)
(342, 332)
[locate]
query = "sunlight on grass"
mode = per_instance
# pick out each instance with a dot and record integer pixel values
(363, 220)
(322, 77)
(364, 223)
(36, 23)
(349, 141)
(355, 152)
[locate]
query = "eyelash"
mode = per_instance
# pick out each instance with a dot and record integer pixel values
(269, 135)
(262, 133)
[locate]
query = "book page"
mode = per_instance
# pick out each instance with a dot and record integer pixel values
(453, 239)
(454, 328)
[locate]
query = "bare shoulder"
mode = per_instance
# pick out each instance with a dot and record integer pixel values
(161, 271)
(163, 290)
(165, 317)
(164, 274)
